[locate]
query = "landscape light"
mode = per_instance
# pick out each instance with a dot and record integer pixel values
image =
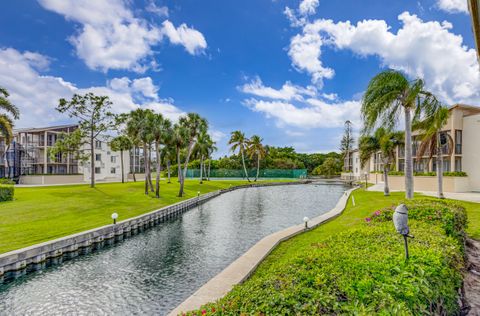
(305, 220)
(114, 217)
(400, 220)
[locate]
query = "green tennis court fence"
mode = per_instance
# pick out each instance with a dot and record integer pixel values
(264, 173)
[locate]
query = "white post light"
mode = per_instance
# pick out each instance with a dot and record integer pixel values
(114, 217)
(305, 220)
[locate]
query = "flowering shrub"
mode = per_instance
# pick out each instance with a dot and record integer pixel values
(362, 270)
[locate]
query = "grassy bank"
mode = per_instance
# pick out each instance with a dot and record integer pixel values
(39, 214)
(351, 266)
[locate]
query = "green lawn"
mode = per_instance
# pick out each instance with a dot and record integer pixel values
(39, 214)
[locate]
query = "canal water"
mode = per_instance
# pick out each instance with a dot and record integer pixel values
(151, 273)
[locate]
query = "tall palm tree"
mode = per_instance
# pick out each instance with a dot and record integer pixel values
(179, 139)
(387, 94)
(434, 141)
(386, 143)
(159, 127)
(6, 123)
(211, 149)
(193, 125)
(121, 143)
(256, 149)
(202, 148)
(140, 131)
(239, 141)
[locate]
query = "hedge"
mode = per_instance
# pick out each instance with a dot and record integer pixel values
(362, 271)
(6, 192)
(430, 174)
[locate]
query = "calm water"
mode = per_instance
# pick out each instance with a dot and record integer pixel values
(153, 272)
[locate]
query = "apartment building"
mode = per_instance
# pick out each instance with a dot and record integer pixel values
(27, 158)
(463, 128)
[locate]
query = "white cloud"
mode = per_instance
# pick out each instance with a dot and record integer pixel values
(312, 114)
(453, 6)
(161, 11)
(111, 37)
(308, 7)
(217, 135)
(428, 50)
(191, 39)
(299, 16)
(37, 94)
(287, 92)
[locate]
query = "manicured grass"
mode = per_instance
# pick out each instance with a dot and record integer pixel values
(39, 214)
(350, 266)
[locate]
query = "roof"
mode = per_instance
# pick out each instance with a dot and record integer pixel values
(41, 129)
(470, 109)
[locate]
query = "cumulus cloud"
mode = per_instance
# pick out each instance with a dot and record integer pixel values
(308, 7)
(298, 17)
(287, 92)
(428, 50)
(37, 94)
(111, 37)
(161, 11)
(314, 113)
(453, 6)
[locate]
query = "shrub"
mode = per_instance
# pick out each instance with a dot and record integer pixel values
(396, 173)
(6, 192)
(362, 271)
(6, 181)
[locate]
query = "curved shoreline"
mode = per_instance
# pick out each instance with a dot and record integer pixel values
(239, 270)
(17, 263)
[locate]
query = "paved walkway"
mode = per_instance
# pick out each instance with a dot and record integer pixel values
(462, 196)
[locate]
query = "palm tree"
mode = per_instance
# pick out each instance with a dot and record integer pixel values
(202, 148)
(256, 149)
(6, 123)
(159, 127)
(139, 131)
(386, 143)
(433, 140)
(387, 94)
(178, 139)
(211, 149)
(238, 141)
(121, 143)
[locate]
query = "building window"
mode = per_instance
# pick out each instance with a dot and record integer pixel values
(458, 142)
(98, 144)
(113, 159)
(97, 170)
(112, 170)
(98, 157)
(458, 164)
(446, 165)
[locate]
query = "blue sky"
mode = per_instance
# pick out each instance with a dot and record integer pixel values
(289, 71)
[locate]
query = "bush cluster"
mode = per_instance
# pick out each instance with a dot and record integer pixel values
(430, 174)
(363, 271)
(6, 192)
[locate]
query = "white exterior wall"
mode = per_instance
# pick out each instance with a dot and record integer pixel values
(471, 150)
(105, 164)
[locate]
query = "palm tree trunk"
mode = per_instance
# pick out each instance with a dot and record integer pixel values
(244, 167)
(145, 162)
(121, 163)
(157, 183)
(133, 169)
(189, 153)
(201, 169)
(408, 155)
(150, 183)
(168, 170)
(439, 167)
(386, 188)
(180, 175)
(208, 176)
(92, 159)
(258, 167)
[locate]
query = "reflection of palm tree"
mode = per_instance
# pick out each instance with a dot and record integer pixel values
(384, 142)
(238, 141)
(255, 148)
(433, 140)
(387, 94)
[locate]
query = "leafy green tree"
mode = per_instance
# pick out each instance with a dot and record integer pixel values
(385, 142)
(6, 123)
(434, 141)
(238, 141)
(94, 118)
(255, 149)
(121, 143)
(330, 167)
(388, 95)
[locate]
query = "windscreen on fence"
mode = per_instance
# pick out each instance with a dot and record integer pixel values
(239, 173)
